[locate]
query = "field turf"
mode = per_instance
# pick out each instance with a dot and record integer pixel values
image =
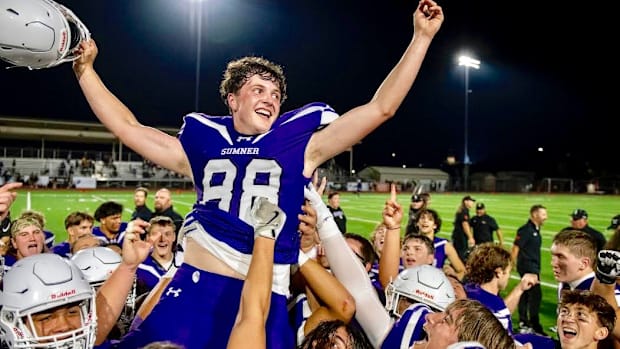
(364, 212)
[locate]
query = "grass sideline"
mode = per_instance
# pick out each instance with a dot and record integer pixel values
(364, 212)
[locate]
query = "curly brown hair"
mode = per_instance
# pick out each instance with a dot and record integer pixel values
(239, 71)
(483, 262)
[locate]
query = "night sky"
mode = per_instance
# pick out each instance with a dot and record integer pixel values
(546, 79)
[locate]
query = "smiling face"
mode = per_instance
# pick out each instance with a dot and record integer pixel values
(58, 320)
(162, 236)
(255, 106)
(578, 327)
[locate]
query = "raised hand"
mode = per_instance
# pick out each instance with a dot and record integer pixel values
(7, 197)
(269, 219)
(608, 266)
(392, 211)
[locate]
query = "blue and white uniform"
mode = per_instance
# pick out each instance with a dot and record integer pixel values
(408, 329)
(230, 170)
(118, 239)
(498, 307)
(440, 252)
(149, 272)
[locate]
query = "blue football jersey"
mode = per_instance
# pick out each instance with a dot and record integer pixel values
(116, 240)
(440, 252)
(149, 272)
(493, 302)
(231, 169)
(408, 329)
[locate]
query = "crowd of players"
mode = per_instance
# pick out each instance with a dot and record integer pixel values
(260, 261)
(346, 291)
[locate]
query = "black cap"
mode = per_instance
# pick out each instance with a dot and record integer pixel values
(468, 197)
(615, 222)
(578, 214)
(416, 198)
(480, 206)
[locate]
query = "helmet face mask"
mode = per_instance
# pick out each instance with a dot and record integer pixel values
(39, 33)
(421, 284)
(37, 287)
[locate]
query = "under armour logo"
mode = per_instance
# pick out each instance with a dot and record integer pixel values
(244, 138)
(173, 291)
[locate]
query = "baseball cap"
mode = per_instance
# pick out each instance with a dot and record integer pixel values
(615, 222)
(480, 206)
(468, 197)
(579, 213)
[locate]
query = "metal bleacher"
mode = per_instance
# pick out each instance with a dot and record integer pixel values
(52, 152)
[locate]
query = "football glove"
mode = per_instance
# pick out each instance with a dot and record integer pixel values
(608, 266)
(269, 219)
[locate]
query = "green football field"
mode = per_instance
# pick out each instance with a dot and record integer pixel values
(364, 212)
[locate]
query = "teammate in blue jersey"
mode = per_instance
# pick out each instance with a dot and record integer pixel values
(429, 223)
(111, 230)
(161, 233)
(488, 272)
(232, 159)
(77, 224)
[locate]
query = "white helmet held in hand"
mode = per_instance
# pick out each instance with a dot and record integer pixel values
(38, 33)
(96, 263)
(34, 288)
(423, 284)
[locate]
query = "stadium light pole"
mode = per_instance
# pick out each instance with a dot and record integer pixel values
(467, 62)
(197, 4)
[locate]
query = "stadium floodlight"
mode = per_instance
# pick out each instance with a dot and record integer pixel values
(467, 62)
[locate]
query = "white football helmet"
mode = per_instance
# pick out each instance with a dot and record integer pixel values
(423, 284)
(39, 33)
(41, 283)
(97, 263)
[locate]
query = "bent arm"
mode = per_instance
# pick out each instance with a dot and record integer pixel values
(455, 260)
(500, 237)
(112, 295)
(336, 302)
(154, 145)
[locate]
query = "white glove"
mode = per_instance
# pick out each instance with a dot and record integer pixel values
(608, 266)
(269, 219)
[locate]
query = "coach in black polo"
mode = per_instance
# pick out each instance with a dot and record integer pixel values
(526, 252)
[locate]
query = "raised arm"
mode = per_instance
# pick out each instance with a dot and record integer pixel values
(390, 255)
(605, 283)
(249, 328)
(154, 145)
(355, 124)
(335, 302)
(370, 313)
(112, 295)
